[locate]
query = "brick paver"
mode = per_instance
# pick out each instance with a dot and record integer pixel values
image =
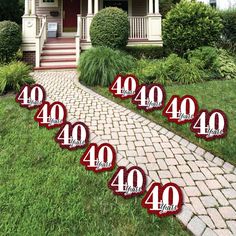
(207, 181)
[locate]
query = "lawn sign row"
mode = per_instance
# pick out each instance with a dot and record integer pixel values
(161, 200)
(208, 125)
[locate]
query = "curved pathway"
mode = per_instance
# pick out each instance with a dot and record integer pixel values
(208, 183)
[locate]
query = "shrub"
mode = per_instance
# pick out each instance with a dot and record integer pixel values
(110, 28)
(229, 30)
(145, 70)
(179, 70)
(14, 75)
(99, 66)
(10, 40)
(205, 59)
(190, 25)
(216, 63)
(149, 52)
(172, 69)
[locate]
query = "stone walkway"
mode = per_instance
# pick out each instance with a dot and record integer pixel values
(208, 183)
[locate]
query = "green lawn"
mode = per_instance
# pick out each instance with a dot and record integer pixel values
(210, 95)
(45, 191)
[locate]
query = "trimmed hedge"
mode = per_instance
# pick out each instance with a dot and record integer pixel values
(10, 40)
(149, 52)
(100, 65)
(229, 30)
(110, 28)
(190, 25)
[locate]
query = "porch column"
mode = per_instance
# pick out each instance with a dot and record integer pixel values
(26, 7)
(90, 7)
(89, 19)
(95, 7)
(150, 7)
(33, 10)
(156, 6)
(154, 22)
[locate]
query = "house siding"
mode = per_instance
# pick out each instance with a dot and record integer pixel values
(46, 11)
(84, 7)
(139, 8)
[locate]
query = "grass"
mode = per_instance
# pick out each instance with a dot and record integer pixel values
(45, 191)
(210, 95)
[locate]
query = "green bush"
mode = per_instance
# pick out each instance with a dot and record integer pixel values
(216, 63)
(172, 69)
(110, 28)
(14, 75)
(205, 59)
(190, 25)
(148, 52)
(145, 70)
(99, 66)
(229, 30)
(10, 40)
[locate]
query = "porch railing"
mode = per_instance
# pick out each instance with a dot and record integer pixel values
(40, 39)
(138, 28)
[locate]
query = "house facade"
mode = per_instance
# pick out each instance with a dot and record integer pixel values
(73, 19)
(220, 4)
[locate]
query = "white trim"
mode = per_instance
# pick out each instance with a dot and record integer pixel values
(48, 4)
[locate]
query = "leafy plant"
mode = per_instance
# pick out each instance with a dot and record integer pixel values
(110, 28)
(216, 63)
(204, 58)
(190, 25)
(99, 66)
(225, 65)
(145, 70)
(10, 40)
(172, 69)
(14, 75)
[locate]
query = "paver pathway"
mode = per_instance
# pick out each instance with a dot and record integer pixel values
(208, 183)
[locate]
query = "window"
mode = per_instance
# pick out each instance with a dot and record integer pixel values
(213, 3)
(48, 3)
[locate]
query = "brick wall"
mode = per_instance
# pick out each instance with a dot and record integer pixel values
(29, 57)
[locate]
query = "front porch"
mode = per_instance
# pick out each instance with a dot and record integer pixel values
(74, 18)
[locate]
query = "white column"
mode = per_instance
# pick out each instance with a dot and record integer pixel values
(150, 6)
(33, 10)
(26, 7)
(156, 6)
(95, 7)
(90, 7)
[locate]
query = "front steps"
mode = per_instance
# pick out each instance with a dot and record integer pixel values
(58, 53)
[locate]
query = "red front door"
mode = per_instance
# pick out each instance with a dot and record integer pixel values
(70, 10)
